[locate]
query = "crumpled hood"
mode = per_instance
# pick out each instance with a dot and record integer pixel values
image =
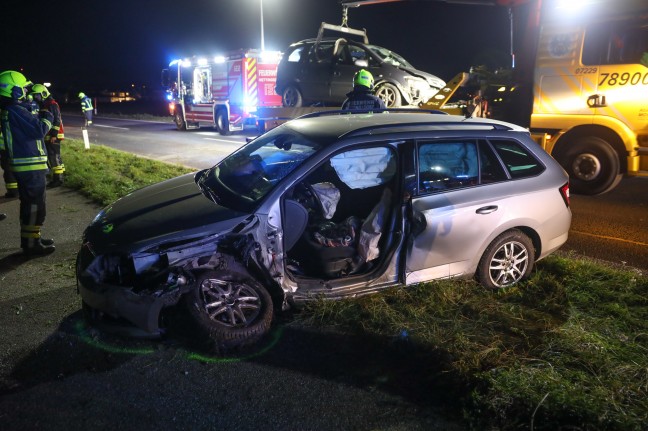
(439, 83)
(168, 211)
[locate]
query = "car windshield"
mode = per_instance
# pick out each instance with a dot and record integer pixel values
(243, 179)
(389, 56)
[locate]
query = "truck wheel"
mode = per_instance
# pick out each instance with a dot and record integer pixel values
(178, 119)
(292, 97)
(222, 122)
(230, 310)
(390, 95)
(593, 166)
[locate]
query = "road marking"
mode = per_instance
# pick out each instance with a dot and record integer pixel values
(610, 237)
(225, 140)
(111, 127)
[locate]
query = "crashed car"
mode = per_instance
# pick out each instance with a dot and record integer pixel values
(321, 72)
(327, 206)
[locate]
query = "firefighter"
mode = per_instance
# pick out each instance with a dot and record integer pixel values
(23, 138)
(362, 96)
(86, 108)
(56, 134)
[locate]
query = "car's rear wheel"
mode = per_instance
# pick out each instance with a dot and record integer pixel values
(230, 309)
(390, 95)
(291, 97)
(507, 260)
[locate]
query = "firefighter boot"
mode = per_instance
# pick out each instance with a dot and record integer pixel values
(35, 247)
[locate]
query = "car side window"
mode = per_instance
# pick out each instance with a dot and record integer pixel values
(519, 162)
(321, 53)
(295, 55)
(445, 165)
(490, 167)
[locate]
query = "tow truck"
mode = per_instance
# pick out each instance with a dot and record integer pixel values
(580, 85)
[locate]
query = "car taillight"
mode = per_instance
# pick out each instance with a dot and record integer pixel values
(564, 192)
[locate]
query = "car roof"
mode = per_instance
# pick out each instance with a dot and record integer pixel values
(330, 125)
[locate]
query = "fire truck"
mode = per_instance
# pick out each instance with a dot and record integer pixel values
(223, 92)
(580, 83)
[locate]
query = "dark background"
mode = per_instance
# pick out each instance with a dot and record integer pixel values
(91, 45)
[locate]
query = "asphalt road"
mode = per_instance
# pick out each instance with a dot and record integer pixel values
(611, 227)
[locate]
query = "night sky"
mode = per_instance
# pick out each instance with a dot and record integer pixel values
(92, 45)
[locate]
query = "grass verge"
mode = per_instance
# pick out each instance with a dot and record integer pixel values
(104, 174)
(567, 349)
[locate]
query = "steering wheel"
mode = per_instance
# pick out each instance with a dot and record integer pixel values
(306, 195)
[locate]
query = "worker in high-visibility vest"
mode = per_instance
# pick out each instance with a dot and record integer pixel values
(86, 108)
(56, 134)
(23, 135)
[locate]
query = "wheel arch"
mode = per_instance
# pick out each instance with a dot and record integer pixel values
(404, 93)
(561, 147)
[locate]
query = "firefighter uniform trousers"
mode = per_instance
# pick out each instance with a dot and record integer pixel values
(31, 189)
(53, 146)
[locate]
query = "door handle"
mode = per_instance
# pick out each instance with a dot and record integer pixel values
(596, 101)
(337, 73)
(487, 210)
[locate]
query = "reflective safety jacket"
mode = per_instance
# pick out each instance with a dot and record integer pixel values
(23, 135)
(362, 98)
(86, 104)
(52, 106)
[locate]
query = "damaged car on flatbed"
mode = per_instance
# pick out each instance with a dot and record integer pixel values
(327, 206)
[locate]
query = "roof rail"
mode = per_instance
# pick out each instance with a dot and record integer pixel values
(370, 111)
(367, 130)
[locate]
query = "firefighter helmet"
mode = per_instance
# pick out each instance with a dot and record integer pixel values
(12, 84)
(40, 89)
(363, 77)
(81, 95)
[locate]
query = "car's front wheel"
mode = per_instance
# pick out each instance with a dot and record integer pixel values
(507, 260)
(291, 97)
(231, 309)
(390, 95)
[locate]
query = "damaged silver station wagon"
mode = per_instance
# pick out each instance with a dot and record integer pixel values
(330, 205)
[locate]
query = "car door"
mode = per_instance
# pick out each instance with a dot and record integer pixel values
(348, 60)
(453, 211)
(316, 72)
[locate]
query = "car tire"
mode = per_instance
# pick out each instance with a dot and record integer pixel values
(178, 119)
(390, 95)
(222, 122)
(291, 97)
(592, 164)
(507, 260)
(229, 309)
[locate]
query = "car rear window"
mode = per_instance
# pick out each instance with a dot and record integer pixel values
(519, 161)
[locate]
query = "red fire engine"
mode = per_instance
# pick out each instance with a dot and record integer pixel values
(222, 92)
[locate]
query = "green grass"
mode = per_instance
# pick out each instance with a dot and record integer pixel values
(104, 174)
(567, 349)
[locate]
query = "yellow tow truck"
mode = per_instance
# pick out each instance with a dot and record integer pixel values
(583, 91)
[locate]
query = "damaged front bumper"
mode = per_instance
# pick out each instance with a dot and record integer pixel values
(120, 309)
